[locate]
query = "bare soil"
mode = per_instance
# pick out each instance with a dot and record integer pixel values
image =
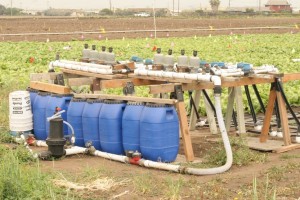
(141, 27)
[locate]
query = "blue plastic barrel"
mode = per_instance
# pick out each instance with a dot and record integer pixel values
(131, 126)
(74, 117)
(90, 122)
(61, 101)
(33, 93)
(159, 133)
(110, 126)
(39, 115)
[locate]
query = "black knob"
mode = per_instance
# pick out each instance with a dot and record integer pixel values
(158, 50)
(182, 52)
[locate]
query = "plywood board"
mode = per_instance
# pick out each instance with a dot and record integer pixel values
(269, 145)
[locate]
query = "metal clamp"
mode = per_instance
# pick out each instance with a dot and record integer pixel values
(128, 89)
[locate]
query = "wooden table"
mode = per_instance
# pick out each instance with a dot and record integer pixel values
(160, 85)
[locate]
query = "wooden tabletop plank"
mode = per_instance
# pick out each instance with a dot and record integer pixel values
(49, 87)
(121, 82)
(102, 76)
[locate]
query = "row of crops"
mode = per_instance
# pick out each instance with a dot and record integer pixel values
(18, 60)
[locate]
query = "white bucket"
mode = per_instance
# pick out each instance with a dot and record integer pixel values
(20, 114)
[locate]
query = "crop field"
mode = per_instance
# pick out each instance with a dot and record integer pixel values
(67, 29)
(254, 175)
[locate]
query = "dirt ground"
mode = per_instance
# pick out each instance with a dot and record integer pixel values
(138, 27)
(280, 171)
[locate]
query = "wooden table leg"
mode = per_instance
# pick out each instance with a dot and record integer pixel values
(268, 115)
(284, 120)
(187, 143)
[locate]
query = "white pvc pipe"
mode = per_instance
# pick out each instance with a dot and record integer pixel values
(110, 156)
(163, 74)
(224, 74)
(158, 165)
(41, 143)
(82, 67)
(86, 64)
(75, 150)
(265, 69)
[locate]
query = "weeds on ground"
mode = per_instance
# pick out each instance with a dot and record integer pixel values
(147, 184)
(173, 188)
(277, 173)
(289, 156)
(19, 180)
(263, 191)
(242, 155)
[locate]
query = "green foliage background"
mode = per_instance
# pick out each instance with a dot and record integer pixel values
(275, 49)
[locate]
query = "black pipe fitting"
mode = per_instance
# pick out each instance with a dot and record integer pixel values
(56, 140)
(217, 89)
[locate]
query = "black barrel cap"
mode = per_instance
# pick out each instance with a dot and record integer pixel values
(78, 100)
(108, 101)
(44, 93)
(62, 95)
(94, 101)
(133, 103)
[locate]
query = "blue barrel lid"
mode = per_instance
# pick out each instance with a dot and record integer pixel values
(148, 61)
(220, 64)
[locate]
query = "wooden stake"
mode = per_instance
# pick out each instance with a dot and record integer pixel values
(187, 143)
(268, 116)
(284, 119)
